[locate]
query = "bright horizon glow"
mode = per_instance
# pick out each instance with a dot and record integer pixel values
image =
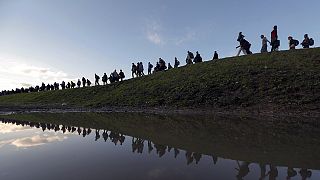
(51, 41)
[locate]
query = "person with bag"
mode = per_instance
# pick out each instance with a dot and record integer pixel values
(275, 43)
(292, 43)
(307, 42)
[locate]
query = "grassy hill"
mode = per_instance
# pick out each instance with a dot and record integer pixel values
(280, 80)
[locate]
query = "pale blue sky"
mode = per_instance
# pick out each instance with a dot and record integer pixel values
(51, 40)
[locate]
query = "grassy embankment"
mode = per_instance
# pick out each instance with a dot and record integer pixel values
(280, 80)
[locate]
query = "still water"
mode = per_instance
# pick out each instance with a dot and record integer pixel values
(118, 146)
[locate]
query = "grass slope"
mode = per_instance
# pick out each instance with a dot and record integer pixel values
(288, 79)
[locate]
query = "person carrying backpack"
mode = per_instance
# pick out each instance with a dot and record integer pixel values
(189, 58)
(150, 66)
(292, 43)
(198, 58)
(307, 42)
(104, 79)
(240, 39)
(121, 75)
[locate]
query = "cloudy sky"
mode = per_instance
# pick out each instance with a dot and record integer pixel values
(55, 40)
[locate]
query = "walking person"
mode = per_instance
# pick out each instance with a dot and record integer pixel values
(150, 66)
(275, 43)
(105, 79)
(189, 58)
(265, 41)
(307, 42)
(176, 62)
(134, 70)
(121, 75)
(239, 39)
(292, 43)
(97, 78)
(215, 56)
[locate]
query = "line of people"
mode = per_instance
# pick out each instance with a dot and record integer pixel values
(84, 82)
(245, 46)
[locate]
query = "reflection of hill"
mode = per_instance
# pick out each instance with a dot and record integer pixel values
(276, 142)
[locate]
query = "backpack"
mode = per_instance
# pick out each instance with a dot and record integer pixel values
(296, 42)
(311, 42)
(191, 55)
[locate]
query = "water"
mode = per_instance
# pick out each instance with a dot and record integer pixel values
(139, 146)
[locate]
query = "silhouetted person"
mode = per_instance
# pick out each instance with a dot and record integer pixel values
(198, 58)
(84, 81)
(245, 46)
(292, 43)
(307, 42)
(215, 56)
(169, 66)
(189, 58)
(162, 64)
(141, 69)
(73, 85)
(104, 79)
(176, 62)
(134, 70)
(275, 43)
(68, 85)
(97, 78)
(88, 82)
(63, 85)
(79, 83)
(265, 41)
(121, 75)
(150, 66)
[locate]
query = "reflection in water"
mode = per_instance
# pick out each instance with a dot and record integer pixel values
(138, 144)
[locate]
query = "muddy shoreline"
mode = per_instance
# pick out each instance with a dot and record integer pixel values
(241, 112)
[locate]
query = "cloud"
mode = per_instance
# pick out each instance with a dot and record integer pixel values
(8, 128)
(17, 74)
(153, 33)
(36, 141)
(189, 36)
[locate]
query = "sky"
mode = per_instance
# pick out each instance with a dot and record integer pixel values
(55, 40)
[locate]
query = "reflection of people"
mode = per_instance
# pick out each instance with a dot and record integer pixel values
(305, 173)
(105, 135)
(176, 152)
(243, 170)
(97, 135)
(273, 173)
(263, 173)
(150, 148)
(189, 157)
(197, 157)
(291, 173)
